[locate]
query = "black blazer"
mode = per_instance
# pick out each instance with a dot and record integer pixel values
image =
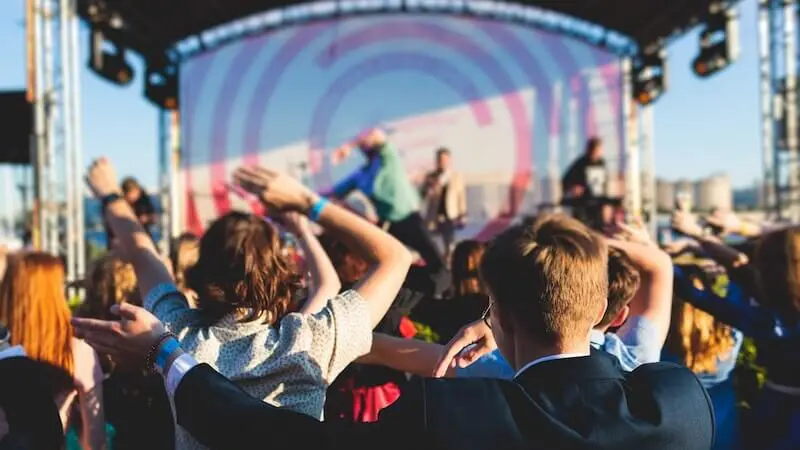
(27, 392)
(576, 403)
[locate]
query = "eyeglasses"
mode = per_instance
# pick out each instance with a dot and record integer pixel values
(487, 314)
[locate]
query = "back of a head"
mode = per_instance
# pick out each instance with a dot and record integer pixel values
(111, 281)
(777, 262)
(241, 268)
(34, 307)
(551, 275)
(130, 184)
(623, 282)
(349, 266)
(464, 265)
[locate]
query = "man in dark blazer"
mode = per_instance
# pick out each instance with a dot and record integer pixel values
(548, 281)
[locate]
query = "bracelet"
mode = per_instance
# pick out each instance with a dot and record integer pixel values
(317, 208)
(169, 346)
(109, 199)
(149, 360)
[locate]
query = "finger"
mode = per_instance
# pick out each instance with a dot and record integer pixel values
(454, 347)
(266, 172)
(96, 325)
(126, 311)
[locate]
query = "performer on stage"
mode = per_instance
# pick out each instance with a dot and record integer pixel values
(383, 179)
(445, 200)
(585, 184)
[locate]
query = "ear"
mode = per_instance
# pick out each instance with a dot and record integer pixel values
(504, 320)
(622, 316)
(602, 312)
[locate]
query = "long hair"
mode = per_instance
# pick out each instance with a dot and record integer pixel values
(184, 254)
(111, 281)
(349, 266)
(241, 269)
(777, 263)
(466, 260)
(34, 307)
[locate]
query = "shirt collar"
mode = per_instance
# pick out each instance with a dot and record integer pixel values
(12, 352)
(549, 358)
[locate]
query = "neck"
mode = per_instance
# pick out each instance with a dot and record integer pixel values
(527, 351)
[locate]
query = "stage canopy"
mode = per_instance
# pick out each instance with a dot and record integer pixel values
(622, 26)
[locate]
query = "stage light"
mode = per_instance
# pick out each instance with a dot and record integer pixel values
(719, 42)
(108, 60)
(161, 82)
(649, 76)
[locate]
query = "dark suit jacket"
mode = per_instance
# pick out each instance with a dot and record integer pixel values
(576, 403)
(27, 390)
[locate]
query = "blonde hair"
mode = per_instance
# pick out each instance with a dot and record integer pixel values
(465, 263)
(697, 339)
(34, 308)
(111, 281)
(184, 256)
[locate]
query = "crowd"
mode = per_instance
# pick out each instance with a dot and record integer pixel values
(552, 335)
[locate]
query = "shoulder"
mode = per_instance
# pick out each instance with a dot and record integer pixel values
(673, 387)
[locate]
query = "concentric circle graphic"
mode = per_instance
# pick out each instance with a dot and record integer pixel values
(514, 104)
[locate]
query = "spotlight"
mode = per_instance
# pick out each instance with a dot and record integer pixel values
(161, 82)
(107, 62)
(649, 76)
(719, 42)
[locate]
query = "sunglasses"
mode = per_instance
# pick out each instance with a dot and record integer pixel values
(487, 314)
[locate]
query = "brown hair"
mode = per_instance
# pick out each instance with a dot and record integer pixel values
(184, 254)
(551, 275)
(129, 184)
(349, 266)
(34, 308)
(111, 281)
(623, 282)
(777, 261)
(464, 266)
(592, 143)
(241, 269)
(696, 338)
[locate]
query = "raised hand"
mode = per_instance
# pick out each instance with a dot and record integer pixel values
(470, 343)
(686, 223)
(635, 232)
(102, 178)
(128, 339)
(277, 190)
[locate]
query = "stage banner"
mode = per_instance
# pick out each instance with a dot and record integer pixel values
(515, 106)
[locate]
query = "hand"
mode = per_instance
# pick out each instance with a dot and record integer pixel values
(635, 232)
(128, 340)
(728, 222)
(460, 351)
(685, 223)
(679, 246)
(102, 178)
(341, 154)
(295, 223)
(277, 190)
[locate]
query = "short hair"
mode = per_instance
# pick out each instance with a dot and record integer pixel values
(552, 275)
(623, 282)
(241, 267)
(442, 151)
(593, 143)
(129, 184)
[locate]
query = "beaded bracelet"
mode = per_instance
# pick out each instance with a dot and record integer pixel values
(149, 362)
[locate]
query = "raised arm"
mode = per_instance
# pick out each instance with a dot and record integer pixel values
(729, 257)
(653, 300)
(89, 384)
(325, 283)
(388, 259)
(406, 355)
(135, 243)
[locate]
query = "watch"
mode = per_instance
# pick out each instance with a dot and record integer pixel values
(109, 199)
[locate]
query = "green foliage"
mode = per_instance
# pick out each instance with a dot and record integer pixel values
(425, 333)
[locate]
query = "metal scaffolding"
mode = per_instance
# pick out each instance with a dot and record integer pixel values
(779, 107)
(57, 149)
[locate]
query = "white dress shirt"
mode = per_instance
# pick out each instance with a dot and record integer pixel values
(549, 358)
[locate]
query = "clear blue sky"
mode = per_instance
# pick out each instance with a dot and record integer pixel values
(702, 126)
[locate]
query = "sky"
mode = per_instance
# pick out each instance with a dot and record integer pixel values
(702, 126)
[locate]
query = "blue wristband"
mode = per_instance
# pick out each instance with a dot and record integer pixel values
(169, 346)
(317, 209)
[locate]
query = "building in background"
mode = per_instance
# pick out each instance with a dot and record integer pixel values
(713, 192)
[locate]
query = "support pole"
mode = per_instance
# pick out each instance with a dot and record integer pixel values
(632, 200)
(175, 179)
(769, 194)
(77, 136)
(790, 67)
(648, 181)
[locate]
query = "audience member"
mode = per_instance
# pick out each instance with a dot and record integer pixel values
(34, 307)
(549, 284)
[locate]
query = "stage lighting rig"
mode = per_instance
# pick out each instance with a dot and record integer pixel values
(649, 76)
(719, 42)
(108, 59)
(161, 82)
